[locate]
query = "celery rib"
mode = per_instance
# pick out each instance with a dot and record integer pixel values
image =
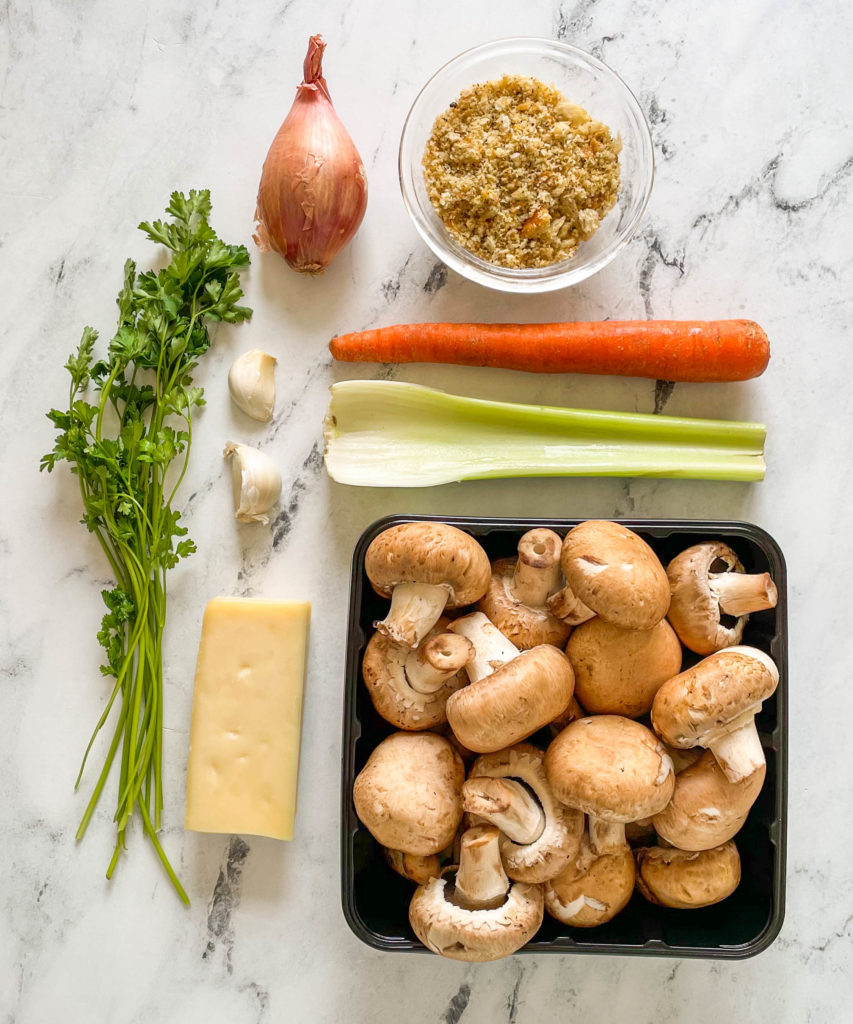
(394, 434)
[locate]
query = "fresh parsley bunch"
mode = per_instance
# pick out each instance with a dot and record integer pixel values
(129, 449)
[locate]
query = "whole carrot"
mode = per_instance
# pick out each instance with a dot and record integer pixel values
(679, 350)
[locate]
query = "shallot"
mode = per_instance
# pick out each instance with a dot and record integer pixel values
(313, 189)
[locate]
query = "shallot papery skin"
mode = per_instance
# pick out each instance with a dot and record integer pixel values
(313, 190)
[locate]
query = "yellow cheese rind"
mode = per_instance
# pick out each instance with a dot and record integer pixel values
(247, 717)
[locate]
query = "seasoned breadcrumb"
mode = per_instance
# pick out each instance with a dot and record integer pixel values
(518, 174)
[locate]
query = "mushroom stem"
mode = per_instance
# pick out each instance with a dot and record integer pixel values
(430, 666)
(415, 609)
(481, 882)
(739, 752)
(507, 805)
(566, 606)
(740, 593)
(491, 647)
(537, 570)
(606, 836)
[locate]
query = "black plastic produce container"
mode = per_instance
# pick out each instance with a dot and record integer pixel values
(376, 899)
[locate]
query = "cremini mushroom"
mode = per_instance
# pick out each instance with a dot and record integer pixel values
(713, 705)
(468, 756)
(572, 712)
(409, 794)
(519, 589)
(409, 688)
(618, 671)
(481, 915)
(509, 789)
(682, 759)
(423, 568)
(413, 867)
(510, 694)
(593, 887)
(613, 573)
(640, 832)
(685, 880)
(613, 769)
(706, 809)
(712, 596)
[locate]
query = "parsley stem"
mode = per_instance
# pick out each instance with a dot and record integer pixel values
(146, 381)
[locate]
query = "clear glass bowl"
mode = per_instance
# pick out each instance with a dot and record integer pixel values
(582, 79)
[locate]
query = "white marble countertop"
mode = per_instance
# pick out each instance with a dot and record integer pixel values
(104, 109)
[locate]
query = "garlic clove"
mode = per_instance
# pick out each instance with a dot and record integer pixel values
(256, 483)
(251, 381)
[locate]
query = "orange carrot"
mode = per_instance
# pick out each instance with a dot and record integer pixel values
(679, 350)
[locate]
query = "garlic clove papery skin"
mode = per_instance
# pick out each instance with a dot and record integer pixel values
(251, 381)
(313, 190)
(256, 483)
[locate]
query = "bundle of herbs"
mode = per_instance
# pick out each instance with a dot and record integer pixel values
(129, 449)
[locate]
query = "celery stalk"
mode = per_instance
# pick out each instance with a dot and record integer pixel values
(393, 434)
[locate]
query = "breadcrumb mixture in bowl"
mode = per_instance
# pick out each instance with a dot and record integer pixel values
(518, 174)
(482, 166)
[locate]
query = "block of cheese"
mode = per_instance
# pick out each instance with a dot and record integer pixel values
(247, 717)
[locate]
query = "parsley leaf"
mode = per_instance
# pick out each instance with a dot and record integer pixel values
(121, 445)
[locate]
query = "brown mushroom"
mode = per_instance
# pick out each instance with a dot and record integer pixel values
(708, 585)
(592, 888)
(481, 916)
(572, 712)
(706, 809)
(424, 568)
(413, 867)
(509, 789)
(519, 589)
(611, 571)
(714, 703)
(619, 671)
(510, 694)
(685, 880)
(640, 832)
(409, 688)
(409, 794)
(682, 759)
(611, 768)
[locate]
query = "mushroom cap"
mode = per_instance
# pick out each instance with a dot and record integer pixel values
(524, 625)
(619, 671)
(572, 712)
(476, 936)
(384, 675)
(684, 880)
(682, 758)
(467, 755)
(706, 809)
(434, 553)
(560, 840)
(409, 794)
(610, 767)
(518, 698)
(703, 702)
(694, 611)
(640, 832)
(591, 890)
(616, 574)
(413, 867)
